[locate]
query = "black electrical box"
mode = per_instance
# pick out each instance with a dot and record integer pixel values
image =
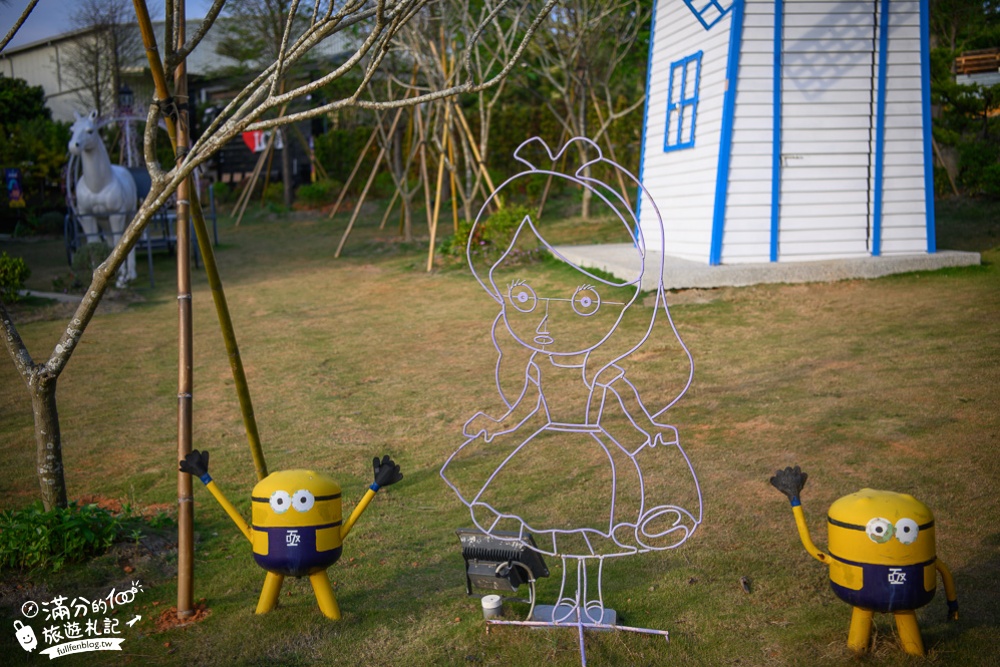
(490, 559)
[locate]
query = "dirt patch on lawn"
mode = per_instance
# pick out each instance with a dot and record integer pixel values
(117, 506)
(168, 620)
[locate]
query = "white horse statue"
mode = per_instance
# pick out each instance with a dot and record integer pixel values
(106, 197)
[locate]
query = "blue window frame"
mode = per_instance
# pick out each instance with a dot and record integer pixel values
(709, 13)
(682, 102)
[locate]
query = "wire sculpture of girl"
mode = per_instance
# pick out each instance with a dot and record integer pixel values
(576, 434)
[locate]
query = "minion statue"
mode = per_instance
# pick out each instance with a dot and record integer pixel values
(882, 557)
(297, 528)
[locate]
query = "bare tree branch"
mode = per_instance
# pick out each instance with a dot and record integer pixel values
(17, 26)
(189, 46)
(23, 362)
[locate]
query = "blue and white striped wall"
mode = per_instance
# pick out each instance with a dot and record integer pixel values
(789, 130)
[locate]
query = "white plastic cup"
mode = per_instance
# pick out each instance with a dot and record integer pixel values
(492, 606)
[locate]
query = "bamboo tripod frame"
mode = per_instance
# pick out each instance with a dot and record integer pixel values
(185, 575)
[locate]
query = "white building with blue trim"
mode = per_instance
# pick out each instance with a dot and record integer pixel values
(789, 130)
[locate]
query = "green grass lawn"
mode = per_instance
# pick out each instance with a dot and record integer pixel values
(889, 383)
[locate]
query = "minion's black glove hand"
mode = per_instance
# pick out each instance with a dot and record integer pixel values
(952, 610)
(790, 482)
(386, 471)
(195, 463)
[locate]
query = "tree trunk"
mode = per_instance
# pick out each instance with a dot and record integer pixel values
(40, 380)
(587, 192)
(407, 218)
(48, 442)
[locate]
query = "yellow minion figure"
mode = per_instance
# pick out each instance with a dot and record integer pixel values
(297, 528)
(882, 557)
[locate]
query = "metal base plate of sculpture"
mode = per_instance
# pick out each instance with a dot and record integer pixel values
(577, 454)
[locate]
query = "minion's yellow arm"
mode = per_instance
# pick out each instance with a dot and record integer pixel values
(358, 509)
(228, 506)
(386, 473)
(800, 523)
(949, 589)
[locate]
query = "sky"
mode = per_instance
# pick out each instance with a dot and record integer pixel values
(51, 17)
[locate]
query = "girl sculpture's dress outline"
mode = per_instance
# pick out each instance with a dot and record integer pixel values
(535, 422)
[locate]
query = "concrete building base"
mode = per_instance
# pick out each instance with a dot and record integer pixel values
(620, 260)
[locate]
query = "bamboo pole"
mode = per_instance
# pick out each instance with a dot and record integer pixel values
(361, 200)
(423, 164)
(320, 170)
(247, 194)
(354, 172)
(401, 181)
(437, 196)
(548, 181)
(268, 154)
(247, 184)
(371, 179)
(475, 151)
(940, 157)
(611, 152)
(450, 141)
(208, 255)
(270, 160)
(185, 344)
(388, 210)
(243, 191)
(272, 146)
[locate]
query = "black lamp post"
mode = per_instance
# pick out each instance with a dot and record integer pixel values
(125, 99)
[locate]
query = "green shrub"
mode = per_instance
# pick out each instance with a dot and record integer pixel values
(320, 193)
(224, 193)
(38, 148)
(942, 186)
(498, 228)
(50, 223)
(274, 193)
(13, 272)
(67, 283)
(23, 229)
(338, 151)
(991, 181)
(979, 171)
(33, 538)
(88, 258)
(454, 245)
(383, 187)
(491, 238)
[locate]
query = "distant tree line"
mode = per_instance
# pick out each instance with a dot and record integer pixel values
(967, 117)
